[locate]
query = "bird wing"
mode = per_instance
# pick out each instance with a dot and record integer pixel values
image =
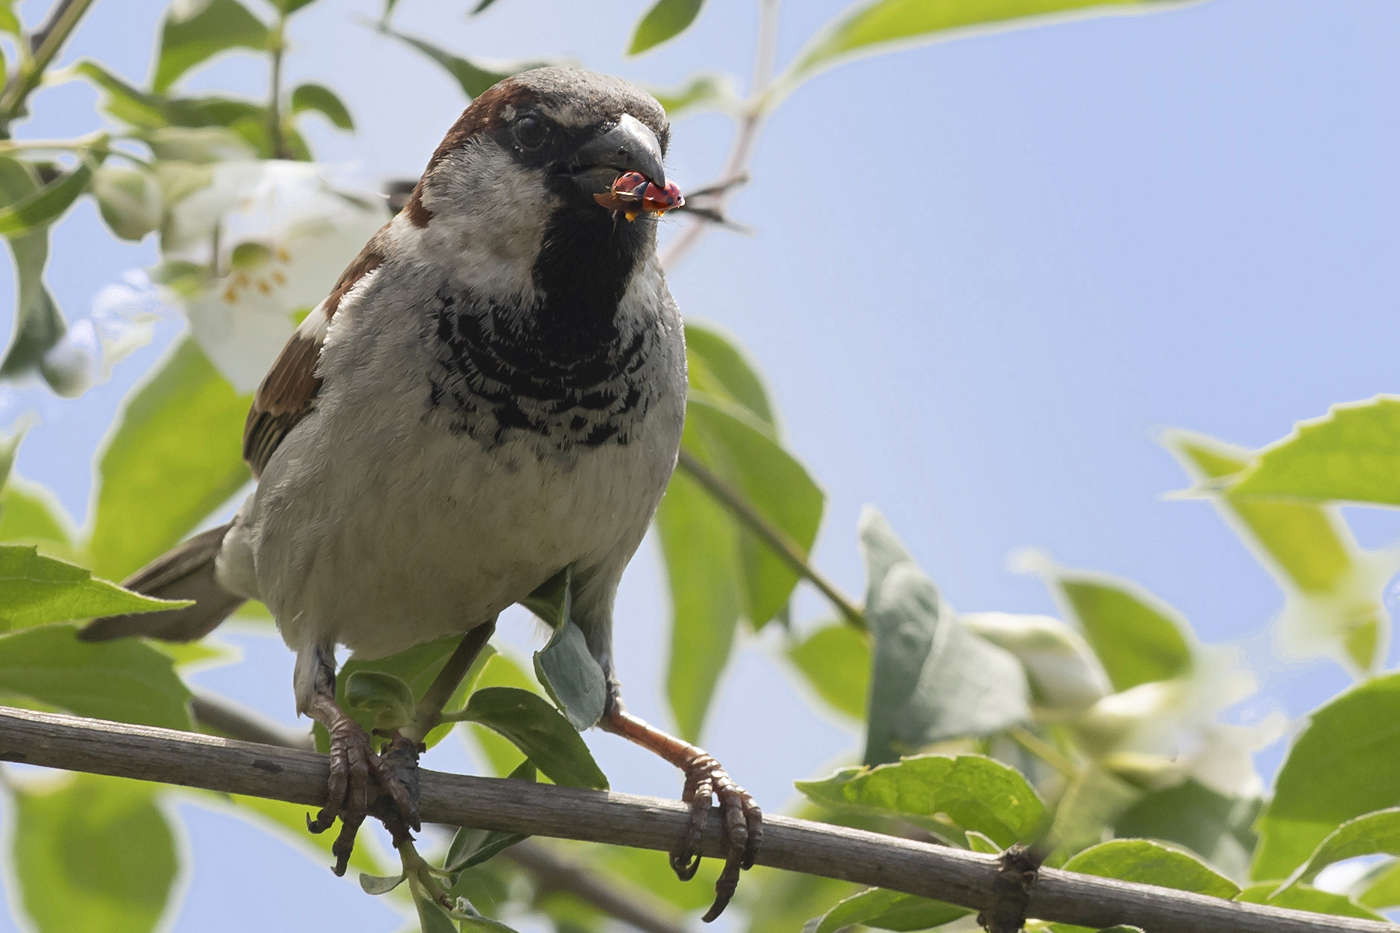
(288, 391)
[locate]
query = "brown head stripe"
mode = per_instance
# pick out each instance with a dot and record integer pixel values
(483, 116)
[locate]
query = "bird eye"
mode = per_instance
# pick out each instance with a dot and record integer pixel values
(529, 132)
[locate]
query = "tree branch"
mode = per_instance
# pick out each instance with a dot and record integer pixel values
(966, 878)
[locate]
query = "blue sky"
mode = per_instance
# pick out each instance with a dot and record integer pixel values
(985, 274)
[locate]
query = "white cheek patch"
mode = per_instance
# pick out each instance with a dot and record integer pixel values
(489, 219)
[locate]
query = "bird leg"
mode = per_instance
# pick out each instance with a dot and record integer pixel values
(353, 763)
(704, 779)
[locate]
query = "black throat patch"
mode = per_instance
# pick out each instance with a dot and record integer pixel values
(560, 373)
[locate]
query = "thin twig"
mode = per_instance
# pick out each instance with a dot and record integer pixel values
(276, 47)
(755, 107)
(953, 875)
(65, 18)
(789, 550)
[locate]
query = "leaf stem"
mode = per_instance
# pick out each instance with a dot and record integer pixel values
(755, 107)
(1043, 750)
(429, 711)
(276, 47)
(62, 19)
(777, 539)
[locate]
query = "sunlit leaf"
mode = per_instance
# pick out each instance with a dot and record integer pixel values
(38, 323)
(1371, 834)
(873, 27)
(972, 791)
(835, 660)
(173, 458)
(31, 514)
(720, 368)
(1339, 768)
(665, 20)
(1306, 897)
(321, 99)
(94, 855)
(1210, 824)
(1333, 589)
(123, 680)
(886, 910)
(1093, 800)
(129, 200)
(219, 26)
(932, 678)
(45, 205)
(37, 590)
(1147, 862)
(538, 730)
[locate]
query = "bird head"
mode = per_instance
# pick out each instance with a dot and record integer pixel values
(539, 171)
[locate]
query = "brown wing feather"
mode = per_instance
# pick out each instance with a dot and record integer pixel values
(288, 392)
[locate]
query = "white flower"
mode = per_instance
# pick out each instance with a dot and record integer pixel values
(122, 319)
(284, 236)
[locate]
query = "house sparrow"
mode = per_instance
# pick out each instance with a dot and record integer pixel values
(492, 392)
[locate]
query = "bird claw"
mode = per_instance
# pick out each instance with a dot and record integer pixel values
(353, 763)
(743, 827)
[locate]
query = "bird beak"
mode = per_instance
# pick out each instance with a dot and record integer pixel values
(630, 146)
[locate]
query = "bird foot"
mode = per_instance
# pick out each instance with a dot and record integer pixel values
(742, 820)
(353, 764)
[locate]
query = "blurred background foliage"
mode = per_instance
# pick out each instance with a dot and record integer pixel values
(1097, 732)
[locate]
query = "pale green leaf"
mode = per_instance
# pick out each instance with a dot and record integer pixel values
(1306, 897)
(45, 206)
(1064, 674)
(320, 99)
(31, 514)
(1092, 802)
(835, 661)
(129, 200)
(665, 20)
(384, 696)
(37, 590)
(1340, 767)
(698, 93)
(123, 680)
(1147, 862)
(874, 27)
(1136, 637)
(474, 78)
(573, 677)
(720, 368)
(1375, 833)
(219, 26)
(886, 910)
(1210, 824)
(972, 791)
(38, 323)
(94, 855)
(173, 457)
(377, 885)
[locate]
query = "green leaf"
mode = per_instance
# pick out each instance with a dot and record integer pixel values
(875, 27)
(38, 322)
(1147, 862)
(473, 846)
(219, 26)
(1340, 767)
(1333, 589)
(322, 100)
(288, 7)
(31, 514)
(129, 200)
(747, 456)
(1378, 888)
(45, 206)
(376, 885)
(573, 677)
(1064, 674)
(665, 20)
(700, 92)
(1306, 897)
(9, 22)
(385, 697)
(499, 754)
(886, 910)
(784, 901)
(95, 855)
(932, 679)
(1349, 455)
(415, 668)
(835, 660)
(481, 7)
(701, 547)
(123, 680)
(720, 368)
(538, 730)
(1137, 637)
(431, 917)
(1372, 834)
(972, 791)
(172, 459)
(37, 590)
(472, 77)
(1094, 800)
(1210, 824)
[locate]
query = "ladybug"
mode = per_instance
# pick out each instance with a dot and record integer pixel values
(632, 195)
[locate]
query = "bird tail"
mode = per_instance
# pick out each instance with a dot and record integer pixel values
(186, 572)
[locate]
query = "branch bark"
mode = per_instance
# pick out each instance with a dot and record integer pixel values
(966, 878)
